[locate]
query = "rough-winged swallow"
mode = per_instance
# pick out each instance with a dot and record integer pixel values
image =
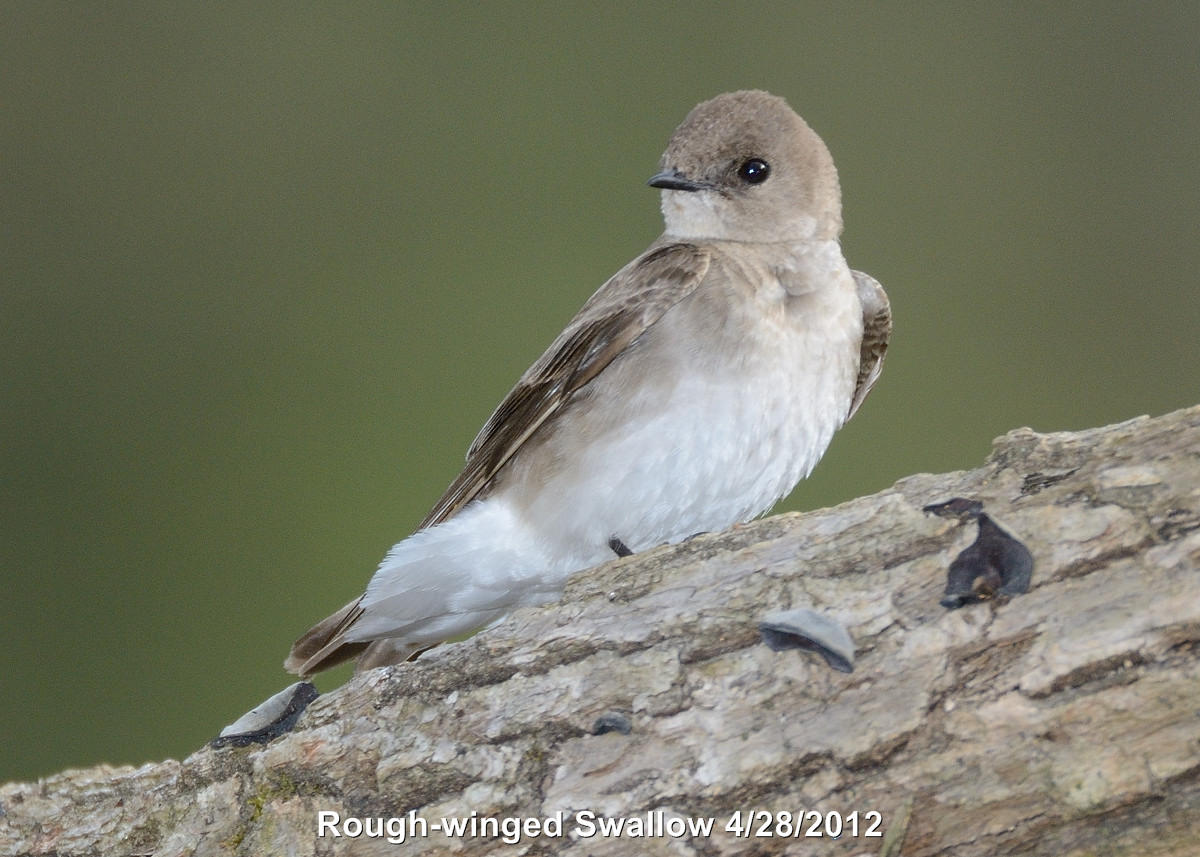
(690, 393)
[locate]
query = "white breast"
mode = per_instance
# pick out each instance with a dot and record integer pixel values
(716, 417)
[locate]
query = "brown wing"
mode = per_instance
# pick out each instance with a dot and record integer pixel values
(616, 315)
(877, 329)
(322, 646)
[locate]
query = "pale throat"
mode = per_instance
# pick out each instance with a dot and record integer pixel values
(704, 216)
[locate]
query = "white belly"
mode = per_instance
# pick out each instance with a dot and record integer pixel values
(694, 440)
(712, 416)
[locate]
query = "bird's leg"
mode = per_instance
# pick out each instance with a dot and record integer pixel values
(619, 547)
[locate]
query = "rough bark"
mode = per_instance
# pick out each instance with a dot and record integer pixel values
(1062, 722)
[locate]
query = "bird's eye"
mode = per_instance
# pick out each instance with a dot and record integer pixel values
(754, 171)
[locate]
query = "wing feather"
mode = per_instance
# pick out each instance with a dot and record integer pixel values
(877, 330)
(612, 319)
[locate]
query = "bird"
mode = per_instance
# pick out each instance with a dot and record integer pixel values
(690, 393)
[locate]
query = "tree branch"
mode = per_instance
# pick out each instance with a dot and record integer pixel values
(1061, 722)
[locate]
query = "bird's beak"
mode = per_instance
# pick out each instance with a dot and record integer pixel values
(674, 180)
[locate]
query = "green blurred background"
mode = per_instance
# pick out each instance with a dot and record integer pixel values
(267, 270)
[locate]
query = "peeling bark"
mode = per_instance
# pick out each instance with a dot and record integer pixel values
(1062, 722)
